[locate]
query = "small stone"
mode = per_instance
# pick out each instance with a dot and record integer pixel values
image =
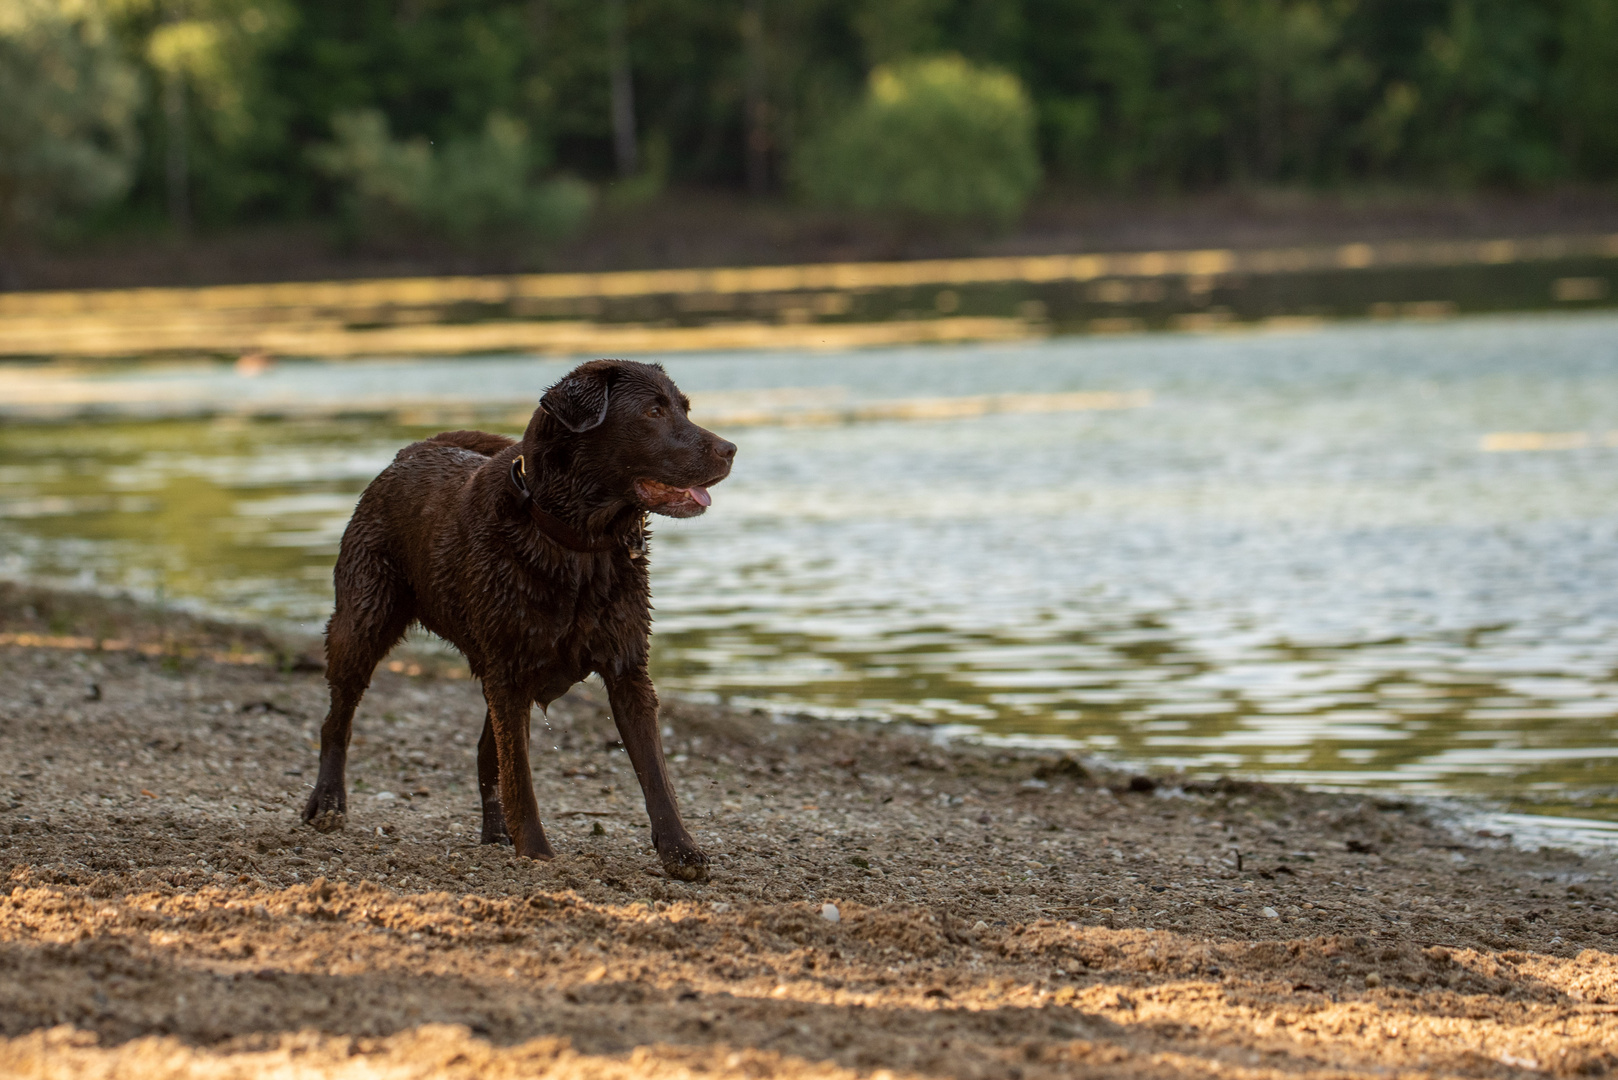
(720, 908)
(1270, 913)
(384, 796)
(1373, 980)
(980, 926)
(830, 913)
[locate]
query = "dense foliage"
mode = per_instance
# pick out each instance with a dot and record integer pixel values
(67, 133)
(933, 138)
(1156, 94)
(477, 188)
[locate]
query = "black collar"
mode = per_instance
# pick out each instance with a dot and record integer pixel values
(560, 532)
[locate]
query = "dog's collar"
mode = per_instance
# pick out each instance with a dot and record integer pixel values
(560, 532)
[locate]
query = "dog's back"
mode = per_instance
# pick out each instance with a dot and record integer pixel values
(479, 442)
(413, 497)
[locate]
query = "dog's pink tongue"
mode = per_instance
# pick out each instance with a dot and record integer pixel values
(700, 494)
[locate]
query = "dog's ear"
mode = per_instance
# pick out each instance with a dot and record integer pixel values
(579, 400)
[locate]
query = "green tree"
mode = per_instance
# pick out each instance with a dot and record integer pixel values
(1587, 86)
(1485, 108)
(1149, 94)
(893, 30)
(476, 188)
(934, 138)
(216, 129)
(1298, 81)
(67, 112)
(1157, 73)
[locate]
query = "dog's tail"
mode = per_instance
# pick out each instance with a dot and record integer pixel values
(479, 442)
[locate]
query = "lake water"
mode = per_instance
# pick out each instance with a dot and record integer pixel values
(1360, 555)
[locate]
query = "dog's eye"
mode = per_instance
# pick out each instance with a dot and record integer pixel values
(655, 411)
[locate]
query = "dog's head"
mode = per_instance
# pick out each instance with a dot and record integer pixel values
(633, 430)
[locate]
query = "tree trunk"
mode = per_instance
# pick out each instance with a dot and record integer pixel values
(757, 121)
(623, 92)
(178, 167)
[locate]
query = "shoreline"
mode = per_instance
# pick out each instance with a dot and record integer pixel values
(818, 306)
(999, 912)
(703, 228)
(285, 646)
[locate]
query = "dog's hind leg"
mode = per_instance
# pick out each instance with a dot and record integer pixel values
(373, 610)
(509, 709)
(494, 816)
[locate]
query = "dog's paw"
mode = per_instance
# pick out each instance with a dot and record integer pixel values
(329, 820)
(325, 812)
(691, 865)
(535, 849)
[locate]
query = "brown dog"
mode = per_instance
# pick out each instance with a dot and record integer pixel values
(529, 557)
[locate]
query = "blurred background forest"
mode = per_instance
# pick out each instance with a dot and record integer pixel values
(507, 126)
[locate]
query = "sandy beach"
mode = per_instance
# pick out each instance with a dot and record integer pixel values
(881, 904)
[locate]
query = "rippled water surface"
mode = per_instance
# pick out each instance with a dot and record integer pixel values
(1301, 558)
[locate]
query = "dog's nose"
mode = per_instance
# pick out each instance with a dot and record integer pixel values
(725, 451)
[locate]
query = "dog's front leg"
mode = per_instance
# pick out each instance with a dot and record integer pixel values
(634, 710)
(508, 716)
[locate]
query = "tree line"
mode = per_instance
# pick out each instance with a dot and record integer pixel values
(204, 113)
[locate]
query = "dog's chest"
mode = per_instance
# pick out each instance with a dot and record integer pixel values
(579, 621)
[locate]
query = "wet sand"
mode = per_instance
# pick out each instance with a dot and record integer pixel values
(997, 913)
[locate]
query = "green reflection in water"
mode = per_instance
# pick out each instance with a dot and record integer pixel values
(1417, 731)
(244, 516)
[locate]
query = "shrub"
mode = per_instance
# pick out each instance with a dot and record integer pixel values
(477, 188)
(67, 123)
(933, 138)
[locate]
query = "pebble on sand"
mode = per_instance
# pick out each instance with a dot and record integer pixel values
(830, 913)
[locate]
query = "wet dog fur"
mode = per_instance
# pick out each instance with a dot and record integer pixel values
(529, 557)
